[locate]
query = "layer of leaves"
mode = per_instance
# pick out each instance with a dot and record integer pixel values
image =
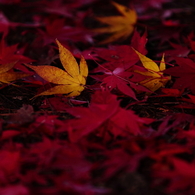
(131, 132)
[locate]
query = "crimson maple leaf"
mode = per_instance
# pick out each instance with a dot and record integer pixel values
(177, 51)
(117, 68)
(104, 110)
(120, 55)
(10, 54)
(184, 73)
(58, 29)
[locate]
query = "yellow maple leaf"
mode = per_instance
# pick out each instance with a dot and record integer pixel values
(155, 79)
(6, 75)
(120, 27)
(71, 81)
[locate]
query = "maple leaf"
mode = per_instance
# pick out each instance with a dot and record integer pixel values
(119, 60)
(114, 82)
(64, 33)
(6, 76)
(154, 73)
(171, 92)
(105, 115)
(185, 74)
(138, 42)
(121, 55)
(11, 54)
(177, 51)
(120, 27)
(70, 81)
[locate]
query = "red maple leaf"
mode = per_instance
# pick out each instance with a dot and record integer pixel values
(118, 68)
(104, 115)
(184, 73)
(177, 50)
(121, 56)
(11, 54)
(59, 29)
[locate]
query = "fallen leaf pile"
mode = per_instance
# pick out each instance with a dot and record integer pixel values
(97, 97)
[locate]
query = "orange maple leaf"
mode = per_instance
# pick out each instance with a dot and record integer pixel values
(6, 75)
(155, 79)
(71, 81)
(120, 27)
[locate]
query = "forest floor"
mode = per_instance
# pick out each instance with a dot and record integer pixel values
(97, 97)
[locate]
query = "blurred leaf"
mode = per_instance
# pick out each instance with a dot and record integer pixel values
(120, 27)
